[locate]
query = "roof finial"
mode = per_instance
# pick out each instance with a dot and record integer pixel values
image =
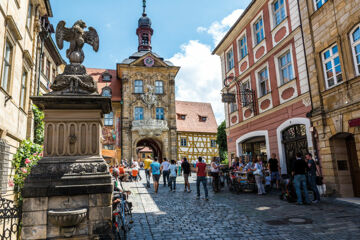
(144, 7)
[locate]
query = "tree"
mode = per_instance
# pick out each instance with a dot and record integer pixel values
(221, 140)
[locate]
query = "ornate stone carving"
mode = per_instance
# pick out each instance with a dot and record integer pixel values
(149, 98)
(150, 127)
(306, 101)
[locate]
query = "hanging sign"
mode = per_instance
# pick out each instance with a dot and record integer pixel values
(228, 98)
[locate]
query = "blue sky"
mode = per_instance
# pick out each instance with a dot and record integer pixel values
(185, 31)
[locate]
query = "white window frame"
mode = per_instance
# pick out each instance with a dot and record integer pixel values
(159, 87)
(227, 60)
(322, 4)
(141, 116)
(259, 81)
(242, 36)
(331, 58)
(274, 12)
(109, 119)
(29, 16)
(280, 68)
(142, 86)
(6, 81)
(255, 31)
(353, 45)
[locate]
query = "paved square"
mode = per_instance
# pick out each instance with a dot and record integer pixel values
(169, 215)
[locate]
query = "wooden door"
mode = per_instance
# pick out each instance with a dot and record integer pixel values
(354, 165)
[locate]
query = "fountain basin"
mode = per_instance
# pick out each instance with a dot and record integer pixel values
(67, 217)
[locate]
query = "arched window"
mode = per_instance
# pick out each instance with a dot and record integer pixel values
(106, 92)
(355, 45)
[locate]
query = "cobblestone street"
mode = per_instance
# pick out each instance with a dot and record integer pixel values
(179, 215)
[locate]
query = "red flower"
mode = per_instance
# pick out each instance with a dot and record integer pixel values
(27, 161)
(11, 183)
(24, 170)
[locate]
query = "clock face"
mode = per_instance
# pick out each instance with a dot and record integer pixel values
(149, 61)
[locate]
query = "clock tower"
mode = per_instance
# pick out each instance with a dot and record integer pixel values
(144, 31)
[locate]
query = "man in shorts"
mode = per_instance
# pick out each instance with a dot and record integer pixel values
(186, 169)
(155, 170)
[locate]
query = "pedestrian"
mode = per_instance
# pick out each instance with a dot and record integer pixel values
(165, 168)
(257, 171)
(179, 167)
(275, 170)
(312, 177)
(155, 171)
(299, 171)
(172, 182)
(215, 171)
(147, 163)
(201, 178)
(135, 170)
(186, 168)
(116, 180)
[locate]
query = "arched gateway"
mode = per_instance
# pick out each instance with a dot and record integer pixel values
(153, 144)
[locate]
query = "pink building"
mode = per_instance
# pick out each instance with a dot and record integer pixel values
(263, 64)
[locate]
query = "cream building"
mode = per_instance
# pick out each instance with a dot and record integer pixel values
(196, 131)
(19, 21)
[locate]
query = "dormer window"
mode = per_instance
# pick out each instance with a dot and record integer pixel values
(106, 77)
(202, 118)
(181, 116)
(106, 92)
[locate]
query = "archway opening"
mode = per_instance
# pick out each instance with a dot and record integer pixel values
(149, 147)
(295, 141)
(346, 163)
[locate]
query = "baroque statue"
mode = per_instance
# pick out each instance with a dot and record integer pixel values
(149, 98)
(74, 80)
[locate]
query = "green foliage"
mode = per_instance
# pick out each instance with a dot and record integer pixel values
(224, 157)
(27, 155)
(38, 125)
(222, 141)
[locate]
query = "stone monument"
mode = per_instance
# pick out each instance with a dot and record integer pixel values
(68, 193)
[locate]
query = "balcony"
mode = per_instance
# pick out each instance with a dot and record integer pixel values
(150, 127)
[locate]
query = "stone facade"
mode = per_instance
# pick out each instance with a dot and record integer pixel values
(271, 101)
(19, 21)
(148, 129)
(335, 99)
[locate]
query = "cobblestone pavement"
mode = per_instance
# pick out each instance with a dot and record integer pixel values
(178, 215)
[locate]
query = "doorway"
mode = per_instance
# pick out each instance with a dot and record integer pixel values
(152, 145)
(295, 141)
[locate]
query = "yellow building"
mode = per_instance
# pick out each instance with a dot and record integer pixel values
(196, 131)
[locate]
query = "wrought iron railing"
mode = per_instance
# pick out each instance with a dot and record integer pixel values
(248, 98)
(10, 217)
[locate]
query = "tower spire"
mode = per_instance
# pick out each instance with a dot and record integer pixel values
(144, 7)
(144, 31)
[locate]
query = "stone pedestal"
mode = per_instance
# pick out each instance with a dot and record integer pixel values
(68, 193)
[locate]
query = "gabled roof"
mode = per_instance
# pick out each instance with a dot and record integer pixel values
(114, 84)
(137, 55)
(193, 112)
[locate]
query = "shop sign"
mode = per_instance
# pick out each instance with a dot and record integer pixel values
(228, 98)
(354, 122)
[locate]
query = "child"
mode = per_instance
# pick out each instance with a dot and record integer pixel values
(173, 175)
(267, 182)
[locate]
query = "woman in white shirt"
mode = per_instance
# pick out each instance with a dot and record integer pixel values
(172, 181)
(257, 170)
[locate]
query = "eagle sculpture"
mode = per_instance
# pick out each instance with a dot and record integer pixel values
(77, 37)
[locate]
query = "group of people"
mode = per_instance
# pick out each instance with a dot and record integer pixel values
(304, 171)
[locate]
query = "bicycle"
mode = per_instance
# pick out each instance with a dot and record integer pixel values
(122, 215)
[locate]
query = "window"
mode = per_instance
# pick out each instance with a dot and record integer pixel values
(355, 44)
(109, 119)
(48, 70)
(106, 77)
(109, 147)
(139, 113)
(213, 143)
(28, 19)
(106, 92)
(263, 82)
(230, 59)
(259, 31)
(6, 74)
(279, 11)
(202, 119)
(23, 90)
(145, 39)
(143, 155)
(139, 86)
(53, 74)
(286, 70)
(242, 47)
(182, 117)
(332, 67)
(319, 3)
(159, 87)
(160, 114)
(183, 142)
(42, 63)
(233, 107)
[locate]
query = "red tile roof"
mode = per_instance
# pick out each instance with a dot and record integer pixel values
(146, 149)
(115, 83)
(193, 111)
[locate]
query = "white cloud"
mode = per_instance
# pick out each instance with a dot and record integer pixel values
(218, 29)
(199, 78)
